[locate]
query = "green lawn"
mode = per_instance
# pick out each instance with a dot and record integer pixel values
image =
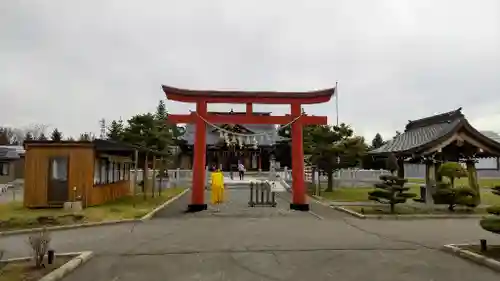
(361, 195)
(485, 182)
(356, 194)
(14, 216)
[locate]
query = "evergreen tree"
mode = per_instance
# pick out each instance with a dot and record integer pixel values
(447, 194)
(115, 130)
(492, 223)
(390, 191)
(391, 163)
(28, 136)
(56, 135)
(333, 148)
(377, 141)
(42, 137)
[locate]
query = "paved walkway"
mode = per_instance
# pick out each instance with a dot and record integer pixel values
(240, 243)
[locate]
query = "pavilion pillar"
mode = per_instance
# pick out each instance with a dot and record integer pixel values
(198, 190)
(472, 176)
(298, 186)
(429, 182)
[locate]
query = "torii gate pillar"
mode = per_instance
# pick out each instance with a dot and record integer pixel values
(201, 117)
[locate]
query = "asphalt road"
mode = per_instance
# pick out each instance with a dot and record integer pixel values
(241, 243)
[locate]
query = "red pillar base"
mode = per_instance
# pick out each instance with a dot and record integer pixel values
(193, 208)
(299, 207)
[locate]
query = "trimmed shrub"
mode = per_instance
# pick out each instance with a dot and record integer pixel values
(390, 191)
(492, 223)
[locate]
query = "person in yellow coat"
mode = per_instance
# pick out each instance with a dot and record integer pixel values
(217, 187)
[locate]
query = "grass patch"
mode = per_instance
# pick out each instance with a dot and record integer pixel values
(26, 271)
(356, 194)
(483, 182)
(405, 209)
(14, 216)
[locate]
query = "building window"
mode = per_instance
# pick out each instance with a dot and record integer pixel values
(97, 172)
(106, 172)
(4, 168)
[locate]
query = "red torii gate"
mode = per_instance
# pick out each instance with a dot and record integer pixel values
(201, 98)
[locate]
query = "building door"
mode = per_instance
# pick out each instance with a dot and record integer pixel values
(57, 189)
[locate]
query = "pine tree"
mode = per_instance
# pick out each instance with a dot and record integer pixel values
(56, 135)
(377, 141)
(390, 191)
(42, 137)
(115, 130)
(161, 111)
(28, 136)
(492, 223)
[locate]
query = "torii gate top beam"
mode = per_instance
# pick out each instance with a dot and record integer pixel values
(184, 95)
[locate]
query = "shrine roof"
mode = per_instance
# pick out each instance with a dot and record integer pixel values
(425, 133)
(309, 97)
(213, 136)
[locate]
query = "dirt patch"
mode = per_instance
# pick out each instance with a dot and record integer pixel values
(26, 271)
(492, 251)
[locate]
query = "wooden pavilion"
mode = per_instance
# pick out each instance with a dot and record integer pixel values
(437, 139)
(93, 172)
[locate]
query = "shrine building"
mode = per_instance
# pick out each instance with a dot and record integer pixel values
(254, 152)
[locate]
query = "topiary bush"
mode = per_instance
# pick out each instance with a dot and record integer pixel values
(390, 191)
(452, 170)
(492, 224)
(448, 194)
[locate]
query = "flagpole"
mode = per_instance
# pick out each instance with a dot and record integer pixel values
(337, 101)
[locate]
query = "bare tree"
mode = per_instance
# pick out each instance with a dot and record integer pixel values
(10, 135)
(39, 243)
(87, 136)
(16, 136)
(36, 129)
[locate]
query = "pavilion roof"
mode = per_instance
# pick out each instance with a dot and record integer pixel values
(424, 134)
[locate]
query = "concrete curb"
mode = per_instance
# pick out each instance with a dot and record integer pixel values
(466, 254)
(405, 217)
(422, 217)
(350, 212)
(146, 217)
(150, 215)
(57, 274)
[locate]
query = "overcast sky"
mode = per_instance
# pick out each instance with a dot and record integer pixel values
(69, 63)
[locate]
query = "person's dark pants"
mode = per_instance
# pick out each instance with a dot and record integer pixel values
(242, 174)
